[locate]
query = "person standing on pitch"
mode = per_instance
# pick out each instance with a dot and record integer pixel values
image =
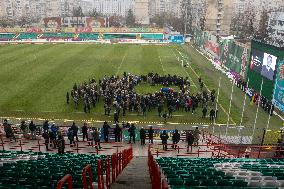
(204, 111)
(67, 98)
(212, 114)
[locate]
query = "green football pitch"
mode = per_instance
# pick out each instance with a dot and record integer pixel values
(34, 80)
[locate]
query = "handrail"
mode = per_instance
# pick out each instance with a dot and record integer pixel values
(67, 178)
(100, 175)
(88, 169)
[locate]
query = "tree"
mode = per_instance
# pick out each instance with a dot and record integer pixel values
(5, 22)
(93, 13)
(186, 9)
(130, 19)
(78, 12)
(263, 25)
(202, 22)
(115, 21)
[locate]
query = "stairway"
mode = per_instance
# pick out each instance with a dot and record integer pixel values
(134, 176)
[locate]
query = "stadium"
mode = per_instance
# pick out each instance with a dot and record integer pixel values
(139, 107)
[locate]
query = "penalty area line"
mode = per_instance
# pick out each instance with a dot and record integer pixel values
(162, 64)
(119, 67)
(194, 85)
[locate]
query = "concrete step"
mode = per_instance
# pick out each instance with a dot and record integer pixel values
(134, 176)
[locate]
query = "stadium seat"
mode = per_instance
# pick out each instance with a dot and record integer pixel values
(49, 169)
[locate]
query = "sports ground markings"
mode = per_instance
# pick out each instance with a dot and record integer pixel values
(119, 67)
(194, 85)
(162, 64)
(223, 109)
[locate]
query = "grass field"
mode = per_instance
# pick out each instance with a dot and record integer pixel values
(35, 78)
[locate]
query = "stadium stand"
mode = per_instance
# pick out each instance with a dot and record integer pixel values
(57, 35)
(152, 36)
(43, 170)
(6, 36)
(88, 36)
(182, 173)
(119, 36)
(27, 36)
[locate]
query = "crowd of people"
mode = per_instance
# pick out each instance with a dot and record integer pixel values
(119, 96)
(255, 97)
(54, 136)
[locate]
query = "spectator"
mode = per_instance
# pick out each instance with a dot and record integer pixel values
(196, 135)
(175, 138)
(151, 135)
(212, 114)
(142, 136)
(45, 126)
(132, 133)
(32, 128)
(85, 131)
(96, 136)
(106, 128)
(204, 111)
(189, 139)
(90, 137)
(52, 137)
(24, 129)
(67, 97)
(70, 135)
(61, 144)
(8, 130)
(75, 131)
(164, 137)
(117, 133)
(46, 139)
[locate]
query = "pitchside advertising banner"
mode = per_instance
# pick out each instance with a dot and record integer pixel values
(234, 57)
(211, 45)
(278, 96)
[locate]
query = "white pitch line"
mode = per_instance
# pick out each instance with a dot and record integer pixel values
(118, 69)
(194, 85)
(210, 91)
(162, 64)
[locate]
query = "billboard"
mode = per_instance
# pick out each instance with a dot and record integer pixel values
(263, 63)
(234, 56)
(256, 60)
(268, 66)
(278, 95)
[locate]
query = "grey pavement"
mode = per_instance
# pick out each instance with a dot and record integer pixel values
(134, 176)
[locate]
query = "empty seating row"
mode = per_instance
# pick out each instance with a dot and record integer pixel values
(27, 36)
(88, 36)
(57, 35)
(43, 170)
(222, 173)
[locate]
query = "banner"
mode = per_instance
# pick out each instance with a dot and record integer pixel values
(198, 38)
(278, 95)
(211, 45)
(234, 57)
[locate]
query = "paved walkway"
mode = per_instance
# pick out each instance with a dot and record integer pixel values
(134, 176)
